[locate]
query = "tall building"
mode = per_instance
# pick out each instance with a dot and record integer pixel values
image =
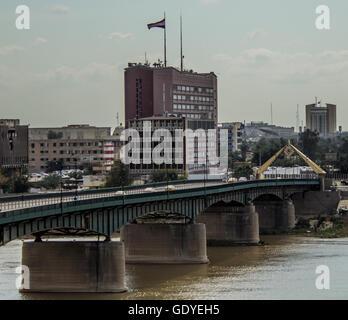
(235, 134)
(166, 91)
(13, 144)
(321, 119)
(74, 145)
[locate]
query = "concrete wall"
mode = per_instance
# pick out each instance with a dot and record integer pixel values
(75, 266)
(229, 225)
(313, 203)
(164, 243)
(275, 215)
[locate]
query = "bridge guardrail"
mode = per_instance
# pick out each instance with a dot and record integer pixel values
(15, 202)
(102, 202)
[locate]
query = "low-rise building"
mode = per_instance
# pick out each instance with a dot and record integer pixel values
(235, 134)
(256, 130)
(13, 144)
(74, 146)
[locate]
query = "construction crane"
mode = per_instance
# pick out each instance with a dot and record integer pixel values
(289, 149)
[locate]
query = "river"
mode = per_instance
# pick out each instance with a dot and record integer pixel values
(285, 268)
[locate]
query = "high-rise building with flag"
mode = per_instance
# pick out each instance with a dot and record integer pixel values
(167, 91)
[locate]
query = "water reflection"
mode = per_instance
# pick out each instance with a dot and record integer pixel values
(282, 269)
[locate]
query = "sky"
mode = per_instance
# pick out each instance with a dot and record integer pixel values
(68, 68)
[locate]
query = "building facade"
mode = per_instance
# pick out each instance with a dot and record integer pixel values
(256, 130)
(166, 91)
(235, 134)
(321, 119)
(13, 144)
(177, 147)
(74, 146)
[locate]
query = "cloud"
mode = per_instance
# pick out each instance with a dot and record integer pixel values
(59, 9)
(209, 1)
(263, 64)
(255, 34)
(94, 72)
(40, 40)
(6, 50)
(119, 35)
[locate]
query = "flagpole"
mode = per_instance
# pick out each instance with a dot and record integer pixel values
(165, 40)
(181, 55)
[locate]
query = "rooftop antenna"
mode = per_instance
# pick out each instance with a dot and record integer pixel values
(117, 120)
(271, 113)
(165, 40)
(297, 118)
(181, 51)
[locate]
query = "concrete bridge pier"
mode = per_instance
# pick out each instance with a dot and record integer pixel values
(61, 266)
(231, 225)
(275, 216)
(165, 243)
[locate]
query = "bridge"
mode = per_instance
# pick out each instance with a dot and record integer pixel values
(193, 214)
(105, 211)
(158, 223)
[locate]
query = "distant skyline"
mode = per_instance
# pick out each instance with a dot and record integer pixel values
(69, 67)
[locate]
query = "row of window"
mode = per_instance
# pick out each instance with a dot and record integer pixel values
(73, 152)
(196, 116)
(70, 144)
(192, 98)
(66, 159)
(193, 89)
(192, 107)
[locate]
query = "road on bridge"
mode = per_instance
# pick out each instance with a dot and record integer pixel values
(56, 198)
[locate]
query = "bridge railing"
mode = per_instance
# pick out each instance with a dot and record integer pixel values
(291, 176)
(337, 176)
(33, 200)
(126, 199)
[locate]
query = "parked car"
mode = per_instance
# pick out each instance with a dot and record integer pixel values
(242, 179)
(169, 188)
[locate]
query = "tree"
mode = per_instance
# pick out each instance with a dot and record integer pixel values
(54, 165)
(309, 143)
(232, 158)
(244, 148)
(50, 182)
(4, 181)
(243, 170)
(19, 184)
(119, 176)
(343, 164)
(164, 175)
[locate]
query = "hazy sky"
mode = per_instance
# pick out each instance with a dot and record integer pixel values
(68, 68)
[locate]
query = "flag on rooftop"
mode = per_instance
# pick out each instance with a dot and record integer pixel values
(159, 24)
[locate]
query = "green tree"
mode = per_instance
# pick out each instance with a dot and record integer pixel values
(4, 181)
(309, 143)
(50, 182)
(243, 170)
(343, 164)
(119, 176)
(19, 183)
(164, 175)
(54, 165)
(232, 158)
(244, 148)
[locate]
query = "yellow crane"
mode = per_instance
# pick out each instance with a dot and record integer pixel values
(288, 149)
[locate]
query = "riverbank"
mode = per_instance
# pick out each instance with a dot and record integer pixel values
(325, 228)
